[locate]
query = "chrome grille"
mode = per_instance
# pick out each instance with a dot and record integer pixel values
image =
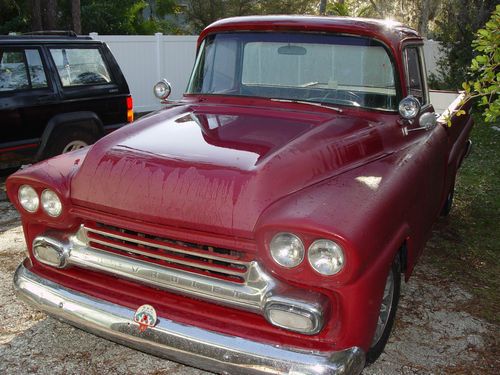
(220, 263)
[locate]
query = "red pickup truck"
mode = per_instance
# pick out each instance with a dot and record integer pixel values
(263, 223)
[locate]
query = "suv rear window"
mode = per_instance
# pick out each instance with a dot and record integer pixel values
(80, 66)
(21, 70)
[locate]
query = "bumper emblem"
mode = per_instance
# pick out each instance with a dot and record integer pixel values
(146, 317)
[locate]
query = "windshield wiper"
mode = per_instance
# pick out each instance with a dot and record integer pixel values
(306, 102)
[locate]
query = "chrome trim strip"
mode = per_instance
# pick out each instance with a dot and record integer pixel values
(255, 294)
(249, 296)
(163, 247)
(205, 266)
(188, 344)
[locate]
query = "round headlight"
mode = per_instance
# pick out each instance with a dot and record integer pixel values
(326, 257)
(51, 203)
(28, 198)
(162, 89)
(287, 249)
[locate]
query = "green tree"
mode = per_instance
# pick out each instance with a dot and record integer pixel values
(102, 16)
(485, 68)
(349, 9)
(201, 13)
(455, 29)
(13, 16)
(287, 6)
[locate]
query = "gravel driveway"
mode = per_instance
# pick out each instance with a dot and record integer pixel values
(433, 334)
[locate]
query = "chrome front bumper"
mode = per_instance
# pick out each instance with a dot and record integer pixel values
(188, 344)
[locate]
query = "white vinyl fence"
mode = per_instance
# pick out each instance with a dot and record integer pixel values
(433, 51)
(145, 59)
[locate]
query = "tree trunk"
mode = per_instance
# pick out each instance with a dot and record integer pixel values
(76, 16)
(36, 15)
(423, 22)
(50, 14)
(322, 7)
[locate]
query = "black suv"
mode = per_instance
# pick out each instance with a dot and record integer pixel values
(57, 93)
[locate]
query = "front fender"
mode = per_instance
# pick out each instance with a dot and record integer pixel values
(55, 174)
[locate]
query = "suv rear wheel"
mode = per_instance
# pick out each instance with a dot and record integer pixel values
(67, 140)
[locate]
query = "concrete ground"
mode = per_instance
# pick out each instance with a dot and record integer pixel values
(433, 333)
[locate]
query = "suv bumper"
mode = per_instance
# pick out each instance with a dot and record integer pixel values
(188, 344)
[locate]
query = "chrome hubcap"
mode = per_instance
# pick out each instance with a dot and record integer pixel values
(75, 145)
(385, 308)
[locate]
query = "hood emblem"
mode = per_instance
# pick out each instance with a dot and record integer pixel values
(146, 317)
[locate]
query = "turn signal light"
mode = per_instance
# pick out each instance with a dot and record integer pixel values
(130, 109)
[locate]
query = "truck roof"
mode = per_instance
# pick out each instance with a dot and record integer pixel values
(388, 31)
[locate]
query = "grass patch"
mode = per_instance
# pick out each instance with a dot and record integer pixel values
(465, 246)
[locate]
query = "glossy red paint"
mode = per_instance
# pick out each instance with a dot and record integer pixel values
(234, 171)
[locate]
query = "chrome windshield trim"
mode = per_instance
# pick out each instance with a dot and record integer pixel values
(179, 342)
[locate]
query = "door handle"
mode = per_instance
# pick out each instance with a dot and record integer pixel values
(45, 98)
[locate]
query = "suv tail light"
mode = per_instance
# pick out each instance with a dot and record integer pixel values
(130, 109)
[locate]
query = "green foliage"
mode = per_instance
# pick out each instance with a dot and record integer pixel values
(455, 29)
(201, 13)
(101, 16)
(286, 6)
(111, 17)
(349, 9)
(12, 16)
(486, 68)
(338, 9)
(464, 247)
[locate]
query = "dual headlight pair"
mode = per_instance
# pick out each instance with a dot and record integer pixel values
(325, 256)
(30, 201)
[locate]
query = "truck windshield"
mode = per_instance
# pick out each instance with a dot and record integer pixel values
(320, 68)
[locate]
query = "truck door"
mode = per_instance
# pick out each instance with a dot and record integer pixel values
(428, 149)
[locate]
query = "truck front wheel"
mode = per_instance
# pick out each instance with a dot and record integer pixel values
(387, 313)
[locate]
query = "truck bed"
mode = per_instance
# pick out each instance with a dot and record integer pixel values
(445, 102)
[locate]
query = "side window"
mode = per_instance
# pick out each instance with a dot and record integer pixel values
(414, 74)
(37, 74)
(80, 66)
(222, 57)
(21, 70)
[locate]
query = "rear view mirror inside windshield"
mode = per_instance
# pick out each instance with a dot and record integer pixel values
(292, 50)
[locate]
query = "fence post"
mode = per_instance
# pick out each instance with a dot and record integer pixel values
(94, 35)
(158, 37)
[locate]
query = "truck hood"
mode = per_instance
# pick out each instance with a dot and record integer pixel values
(216, 169)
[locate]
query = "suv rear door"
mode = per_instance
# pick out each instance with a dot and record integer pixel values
(26, 95)
(85, 74)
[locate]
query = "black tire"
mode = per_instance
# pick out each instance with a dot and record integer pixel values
(379, 342)
(448, 204)
(62, 140)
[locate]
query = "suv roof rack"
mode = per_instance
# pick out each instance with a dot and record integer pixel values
(52, 32)
(46, 35)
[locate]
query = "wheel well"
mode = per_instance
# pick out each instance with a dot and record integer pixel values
(403, 257)
(81, 120)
